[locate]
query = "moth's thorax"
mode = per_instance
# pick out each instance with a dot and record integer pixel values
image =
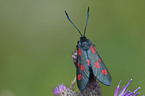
(84, 43)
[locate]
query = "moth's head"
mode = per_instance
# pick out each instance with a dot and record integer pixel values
(84, 43)
(83, 38)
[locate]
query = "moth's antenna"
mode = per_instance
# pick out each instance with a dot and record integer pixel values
(86, 21)
(72, 23)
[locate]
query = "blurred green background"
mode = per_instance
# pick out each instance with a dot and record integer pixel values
(37, 41)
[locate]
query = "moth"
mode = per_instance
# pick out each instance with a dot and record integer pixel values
(89, 62)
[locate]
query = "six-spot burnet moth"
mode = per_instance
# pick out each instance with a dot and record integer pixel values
(89, 62)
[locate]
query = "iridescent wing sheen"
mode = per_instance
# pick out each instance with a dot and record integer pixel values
(82, 69)
(99, 69)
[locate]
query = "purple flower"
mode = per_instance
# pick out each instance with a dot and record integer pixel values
(92, 89)
(62, 90)
(59, 89)
(124, 91)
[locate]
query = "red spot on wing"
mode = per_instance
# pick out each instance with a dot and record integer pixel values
(79, 51)
(99, 60)
(97, 65)
(104, 72)
(78, 64)
(88, 62)
(79, 77)
(92, 49)
(82, 67)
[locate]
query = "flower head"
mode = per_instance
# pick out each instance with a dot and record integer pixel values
(124, 91)
(62, 90)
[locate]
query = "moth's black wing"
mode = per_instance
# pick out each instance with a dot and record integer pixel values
(82, 69)
(99, 69)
